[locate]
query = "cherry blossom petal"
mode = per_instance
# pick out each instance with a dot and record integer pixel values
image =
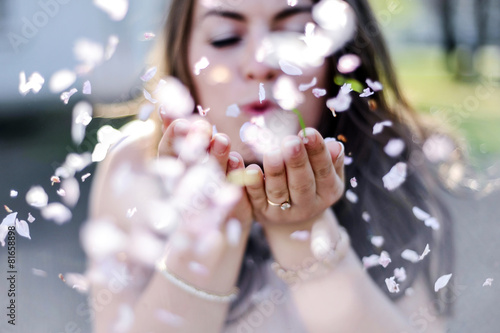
(30, 218)
(354, 182)
(89, 53)
(348, 63)
(286, 93)
(148, 96)
(113, 41)
(82, 116)
(392, 286)
(145, 111)
(101, 239)
(420, 214)
(351, 196)
(347, 160)
(174, 97)
(61, 192)
(375, 86)
(384, 259)
(318, 92)
(432, 222)
(377, 241)
(149, 35)
(116, 9)
(22, 228)
(394, 147)
(39, 272)
(378, 127)
(66, 95)
(13, 193)
(400, 274)
(370, 261)
(289, 68)
(366, 92)
(87, 88)
(395, 177)
(410, 255)
(441, 282)
(149, 74)
(77, 281)
(305, 86)
(438, 148)
(37, 197)
(201, 64)
(61, 80)
(56, 212)
(35, 83)
(488, 282)
(10, 220)
(425, 253)
(300, 235)
(233, 111)
(203, 112)
(233, 232)
(71, 190)
(366, 216)
(85, 176)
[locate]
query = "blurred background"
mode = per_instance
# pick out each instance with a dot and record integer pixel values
(447, 55)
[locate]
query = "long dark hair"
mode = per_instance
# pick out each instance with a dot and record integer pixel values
(390, 212)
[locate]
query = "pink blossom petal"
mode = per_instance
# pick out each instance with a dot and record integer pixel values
(384, 259)
(61, 80)
(348, 63)
(4, 230)
(354, 182)
(378, 127)
(375, 86)
(35, 83)
(37, 197)
(392, 286)
(82, 116)
(10, 220)
(347, 160)
(395, 177)
(305, 86)
(149, 35)
(77, 281)
(116, 9)
(22, 228)
(65, 96)
(87, 88)
(394, 147)
(233, 111)
(300, 235)
(441, 282)
(410, 255)
(57, 212)
(318, 92)
(85, 176)
(13, 193)
(30, 219)
(377, 241)
(174, 97)
(71, 190)
(432, 222)
(286, 93)
(370, 261)
(351, 196)
(366, 93)
(203, 112)
(400, 274)
(420, 214)
(425, 253)
(145, 111)
(113, 41)
(289, 68)
(201, 64)
(438, 148)
(148, 96)
(149, 74)
(233, 232)
(366, 216)
(488, 282)
(61, 192)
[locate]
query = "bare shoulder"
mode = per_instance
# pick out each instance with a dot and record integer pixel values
(128, 156)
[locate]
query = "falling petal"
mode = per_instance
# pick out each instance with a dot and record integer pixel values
(305, 86)
(82, 116)
(148, 96)
(116, 9)
(318, 92)
(442, 282)
(233, 232)
(348, 63)
(366, 92)
(77, 281)
(61, 80)
(65, 96)
(39, 272)
(37, 197)
(169, 318)
(351, 196)
(61, 192)
(400, 274)
(131, 212)
(354, 182)
(35, 83)
(487, 282)
(85, 176)
(432, 222)
(55, 179)
(150, 73)
(149, 35)
(22, 228)
(286, 93)
(87, 88)
(4, 230)
(347, 160)
(201, 64)
(438, 148)
(392, 286)
(198, 268)
(203, 112)
(340, 103)
(300, 235)
(410, 255)
(174, 97)
(375, 86)
(288, 68)
(13, 193)
(30, 218)
(9, 220)
(420, 214)
(71, 190)
(145, 111)
(292, 3)
(233, 111)
(7, 209)
(377, 241)
(366, 216)
(113, 41)
(378, 127)
(384, 259)
(370, 261)
(425, 253)
(262, 92)
(56, 212)
(395, 177)
(394, 147)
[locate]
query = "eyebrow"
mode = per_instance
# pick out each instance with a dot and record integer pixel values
(285, 13)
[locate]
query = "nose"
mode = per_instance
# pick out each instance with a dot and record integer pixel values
(254, 68)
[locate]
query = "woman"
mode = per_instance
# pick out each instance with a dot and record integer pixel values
(316, 282)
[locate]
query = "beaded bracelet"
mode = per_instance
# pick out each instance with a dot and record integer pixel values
(319, 266)
(161, 266)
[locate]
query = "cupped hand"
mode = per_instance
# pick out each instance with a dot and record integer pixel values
(306, 172)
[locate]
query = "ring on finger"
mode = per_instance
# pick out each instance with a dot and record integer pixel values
(284, 205)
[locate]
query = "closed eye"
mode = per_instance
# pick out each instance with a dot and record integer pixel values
(220, 43)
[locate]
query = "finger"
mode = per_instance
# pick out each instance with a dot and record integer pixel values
(234, 162)
(195, 146)
(177, 129)
(321, 163)
(254, 180)
(276, 188)
(219, 149)
(337, 153)
(299, 172)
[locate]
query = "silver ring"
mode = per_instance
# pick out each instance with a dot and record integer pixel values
(284, 205)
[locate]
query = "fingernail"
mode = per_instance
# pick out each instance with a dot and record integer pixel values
(292, 145)
(181, 127)
(341, 153)
(220, 144)
(330, 139)
(310, 136)
(273, 157)
(233, 161)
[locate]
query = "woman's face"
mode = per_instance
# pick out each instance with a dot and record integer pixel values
(230, 36)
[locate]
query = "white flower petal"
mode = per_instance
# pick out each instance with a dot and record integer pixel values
(395, 177)
(442, 282)
(233, 111)
(377, 241)
(375, 86)
(378, 127)
(37, 197)
(425, 253)
(318, 92)
(233, 232)
(487, 282)
(201, 64)
(22, 228)
(87, 88)
(351, 196)
(400, 274)
(410, 255)
(348, 63)
(57, 212)
(300, 235)
(392, 286)
(384, 259)
(420, 214)
(394, 147)
(305, 86)
(149, 74)
(289, 68)
(366, 93)
(9, 220)
(61, 80)
(116, 9)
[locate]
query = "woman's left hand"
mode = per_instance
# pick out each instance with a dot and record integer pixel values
(308, 173)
